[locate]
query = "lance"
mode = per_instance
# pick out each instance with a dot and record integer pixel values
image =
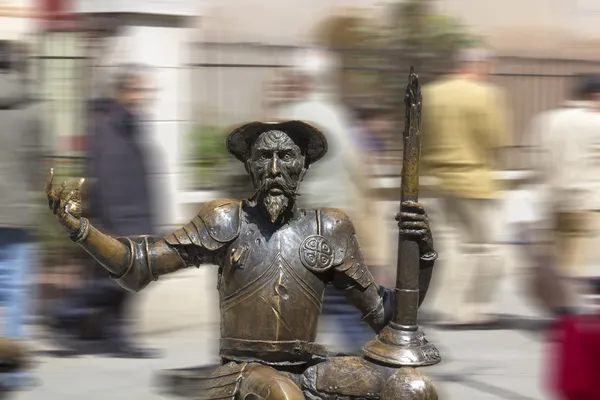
(402, 342)
(407, 274)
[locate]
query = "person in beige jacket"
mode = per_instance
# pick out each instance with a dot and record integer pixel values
(465, 125)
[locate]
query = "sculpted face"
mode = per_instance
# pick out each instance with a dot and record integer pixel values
(276, 166)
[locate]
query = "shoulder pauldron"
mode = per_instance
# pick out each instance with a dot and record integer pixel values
(218, 222)
(348, 258)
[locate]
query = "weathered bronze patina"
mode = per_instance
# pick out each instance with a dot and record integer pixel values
(274, 261)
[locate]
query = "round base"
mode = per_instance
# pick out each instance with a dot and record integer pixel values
(400, 348)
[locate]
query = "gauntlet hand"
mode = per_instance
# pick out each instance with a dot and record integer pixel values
(65, 205)
(414, 225)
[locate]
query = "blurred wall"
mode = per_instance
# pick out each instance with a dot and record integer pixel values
(15, 18)
(534, 25)
(569, 28)
(281, 22)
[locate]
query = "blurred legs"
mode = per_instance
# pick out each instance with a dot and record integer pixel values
(473, 271)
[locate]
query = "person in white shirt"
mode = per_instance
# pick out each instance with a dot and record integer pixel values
(565, 239)
(341, 179)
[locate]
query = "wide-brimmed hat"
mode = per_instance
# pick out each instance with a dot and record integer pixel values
(312, 140)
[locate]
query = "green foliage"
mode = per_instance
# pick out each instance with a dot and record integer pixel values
(208, 145)
(416, 28)
(418, 36)
(413, 35)
(208, 154)
(417, 31)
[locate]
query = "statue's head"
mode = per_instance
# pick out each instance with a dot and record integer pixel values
(277, 155)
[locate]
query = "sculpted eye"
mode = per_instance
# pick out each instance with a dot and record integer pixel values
(263, 157)
(287, 157)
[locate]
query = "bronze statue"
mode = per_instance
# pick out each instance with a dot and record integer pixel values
(274, 261)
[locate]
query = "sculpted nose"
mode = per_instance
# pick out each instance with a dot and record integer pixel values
(274, 167)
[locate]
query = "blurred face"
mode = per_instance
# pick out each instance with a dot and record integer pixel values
(276, 166)
(137, 94)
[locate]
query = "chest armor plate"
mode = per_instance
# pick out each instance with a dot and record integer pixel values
(272, 283)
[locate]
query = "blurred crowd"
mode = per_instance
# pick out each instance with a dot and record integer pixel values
(466, 126)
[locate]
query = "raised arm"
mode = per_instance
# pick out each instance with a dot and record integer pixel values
(136, 261)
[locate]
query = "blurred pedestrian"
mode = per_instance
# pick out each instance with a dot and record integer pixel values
(340, 181)
(568, 165)
(120, 203)
(465, 125)
(374, 125)
(20, 169)
(540, 235)
(564, 244)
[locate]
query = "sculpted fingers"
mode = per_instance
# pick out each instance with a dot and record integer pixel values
(413, 233)
(49, 180)
(411, 211)
(79, 185)
(414, 225)
(413, 206)
(50, 193)
(65, 200)
(58, 196)
(409, 216)
(65, 204)
(74, 207)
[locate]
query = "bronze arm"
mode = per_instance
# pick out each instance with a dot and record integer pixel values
(133, 262)
(376, 303)
(136, 261)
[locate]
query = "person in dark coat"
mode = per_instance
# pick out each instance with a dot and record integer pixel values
(120, 202)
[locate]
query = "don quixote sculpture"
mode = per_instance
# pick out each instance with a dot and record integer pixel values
(274, 261)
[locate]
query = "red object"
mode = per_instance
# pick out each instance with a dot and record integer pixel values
(576, 357)
(57, 15)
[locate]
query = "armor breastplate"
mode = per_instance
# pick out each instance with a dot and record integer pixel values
(271, 288)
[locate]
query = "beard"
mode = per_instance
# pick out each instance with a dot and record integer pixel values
(275, 205)
(276, 196)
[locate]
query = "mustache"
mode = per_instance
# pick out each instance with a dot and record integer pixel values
(289, 190)
(280, 184)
